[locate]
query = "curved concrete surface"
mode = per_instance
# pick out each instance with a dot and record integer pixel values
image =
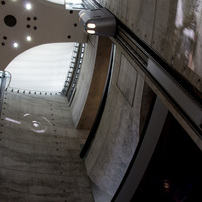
(39, 150)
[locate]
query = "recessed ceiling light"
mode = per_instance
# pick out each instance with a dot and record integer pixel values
(29, 38)
(15, 45)
(28, 6)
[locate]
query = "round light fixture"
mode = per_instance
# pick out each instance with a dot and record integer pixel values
(29, 38)
(28, 6)
(15, 45)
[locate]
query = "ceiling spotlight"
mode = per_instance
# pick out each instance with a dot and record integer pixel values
(91, 25)
(91, 31)
(98, 21)
(29, 38)
(28, 6)
(15, 45)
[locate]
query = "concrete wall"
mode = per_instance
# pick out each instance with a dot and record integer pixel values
(128, 103)
(118, 133)
(172, 28)
(39, 150)
(91, 81)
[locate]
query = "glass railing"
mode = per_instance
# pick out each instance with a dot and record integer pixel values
(5, 78)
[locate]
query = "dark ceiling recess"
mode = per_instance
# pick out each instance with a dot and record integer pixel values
(3, 43)
(3, 2)
(30, 23)
(10, 21)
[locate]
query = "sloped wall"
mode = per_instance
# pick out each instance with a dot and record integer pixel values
(171, 28)
(91, 81)
(39, 150)
(118, 132)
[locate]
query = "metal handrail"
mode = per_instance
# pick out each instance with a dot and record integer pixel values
(74, 70)
(4, 75)
(71, 67)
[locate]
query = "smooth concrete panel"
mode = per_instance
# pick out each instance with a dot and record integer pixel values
(85, 79)
(171, 28)
(127, 79)
(39, 151)
(117, 136)
(28, 186)
(91, 82)
(176, 36)
(138, 15)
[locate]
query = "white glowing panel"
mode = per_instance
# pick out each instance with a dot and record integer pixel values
(57, 1)
(74, 1)
(43, 68)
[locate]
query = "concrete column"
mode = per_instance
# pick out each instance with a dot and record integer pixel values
(91, 82)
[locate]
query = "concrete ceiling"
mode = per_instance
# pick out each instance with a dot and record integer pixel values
(23, 28)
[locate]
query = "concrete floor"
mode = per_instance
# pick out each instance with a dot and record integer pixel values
(39, 151)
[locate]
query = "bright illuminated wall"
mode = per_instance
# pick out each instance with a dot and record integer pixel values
(43, 68)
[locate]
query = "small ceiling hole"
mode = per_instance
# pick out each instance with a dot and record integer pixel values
(35, 27)
(10, 21)
(28, 26)
(69, 36)
(71, 11)
(3, 2)
(35, 18)
(28, 18)
(3, 44)
(75, 25)
(5, 37)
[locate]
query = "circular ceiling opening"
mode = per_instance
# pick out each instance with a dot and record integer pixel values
(10, 21)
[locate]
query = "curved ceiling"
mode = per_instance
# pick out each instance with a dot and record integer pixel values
(43, 68)
(28, 23)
